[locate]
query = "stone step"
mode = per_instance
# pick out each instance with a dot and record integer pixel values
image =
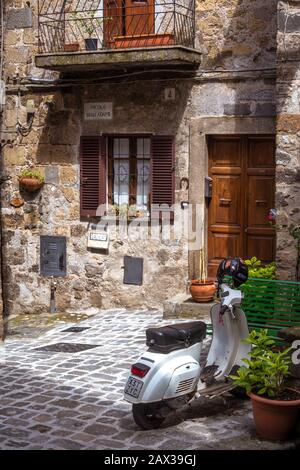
(183, 306)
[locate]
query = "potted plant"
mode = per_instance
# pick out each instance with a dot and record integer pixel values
(31, 180)
(201, 289)
(89, 23)
(265, 379)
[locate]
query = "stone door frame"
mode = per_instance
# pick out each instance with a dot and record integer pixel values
(200, 129)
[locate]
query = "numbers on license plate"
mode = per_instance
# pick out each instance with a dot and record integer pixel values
(133, 387)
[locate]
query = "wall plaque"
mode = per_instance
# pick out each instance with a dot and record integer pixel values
(98, 111)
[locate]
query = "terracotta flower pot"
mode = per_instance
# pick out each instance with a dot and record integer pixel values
(143, 40)
(274, 419)
(72, 47)
(30, 184)
(202, 291)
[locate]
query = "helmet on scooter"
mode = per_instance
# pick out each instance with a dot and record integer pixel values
(235, 268)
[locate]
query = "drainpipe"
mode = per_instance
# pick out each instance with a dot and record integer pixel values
(2, 300)
(2, 335)
(53, 286)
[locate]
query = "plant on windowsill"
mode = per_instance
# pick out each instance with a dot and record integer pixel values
(136, 212)
(201, 289)
(31, 180)
(265, 379)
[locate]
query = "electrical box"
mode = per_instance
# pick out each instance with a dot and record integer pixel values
(208, 187)
(98, 239)
(133, 270)
(53, 256)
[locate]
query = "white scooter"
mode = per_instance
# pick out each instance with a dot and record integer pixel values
(168, 375)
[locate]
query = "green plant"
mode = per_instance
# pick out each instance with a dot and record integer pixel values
(260, 271)
(89, 22)
(267, 369)
(27, 173)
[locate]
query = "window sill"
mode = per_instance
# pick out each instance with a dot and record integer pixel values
(114, 218)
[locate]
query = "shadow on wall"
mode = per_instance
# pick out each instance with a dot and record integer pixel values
(240, 38)
(250, 43)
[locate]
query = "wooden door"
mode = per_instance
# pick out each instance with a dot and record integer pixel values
(243, 172)
(139, 17)
(123, 18)
(113, 21)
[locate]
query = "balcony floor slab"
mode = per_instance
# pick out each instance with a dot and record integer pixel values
(120, 59)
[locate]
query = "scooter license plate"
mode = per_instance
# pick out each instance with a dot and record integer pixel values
(133, 387)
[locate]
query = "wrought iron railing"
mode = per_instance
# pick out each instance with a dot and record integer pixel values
(78, 25)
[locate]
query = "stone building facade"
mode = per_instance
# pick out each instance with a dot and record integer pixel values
(288, 136)
(1, 298)
(233, 92)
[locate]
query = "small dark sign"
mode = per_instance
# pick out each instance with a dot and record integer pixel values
(53, 256)
(133, 270)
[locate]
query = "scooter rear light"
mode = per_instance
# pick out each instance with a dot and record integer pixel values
(140, 370)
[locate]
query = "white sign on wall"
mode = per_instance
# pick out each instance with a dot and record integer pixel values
(98, 111)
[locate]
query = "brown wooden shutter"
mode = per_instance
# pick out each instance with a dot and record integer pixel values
(92, 174)
(162, 178)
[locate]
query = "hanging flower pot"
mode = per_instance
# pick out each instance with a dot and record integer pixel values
(31, 180)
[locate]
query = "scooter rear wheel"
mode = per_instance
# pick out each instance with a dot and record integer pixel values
(146, 415)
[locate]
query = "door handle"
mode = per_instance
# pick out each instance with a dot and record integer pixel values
(261, 202)
(225, 202)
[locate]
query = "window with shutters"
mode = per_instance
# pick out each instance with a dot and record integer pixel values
(126, 173)
(129, 172)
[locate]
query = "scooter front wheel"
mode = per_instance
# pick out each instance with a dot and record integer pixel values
(146, 415)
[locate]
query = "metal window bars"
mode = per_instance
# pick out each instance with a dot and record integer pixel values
(80, 25)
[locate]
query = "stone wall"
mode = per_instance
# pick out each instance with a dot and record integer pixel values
(288, 134)
(237, 33)
(94, 280)
(240, 42)
(1, 297)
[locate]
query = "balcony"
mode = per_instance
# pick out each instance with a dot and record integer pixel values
(84, 35)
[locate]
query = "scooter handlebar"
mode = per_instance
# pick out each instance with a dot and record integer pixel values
(223, 309)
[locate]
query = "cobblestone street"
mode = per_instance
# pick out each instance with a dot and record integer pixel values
(73, 400)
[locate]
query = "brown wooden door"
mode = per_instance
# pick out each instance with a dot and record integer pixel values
(113, 21)
(127, 18)
(243, 172)
(139, 17)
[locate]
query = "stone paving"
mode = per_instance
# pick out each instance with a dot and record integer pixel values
(63, 400)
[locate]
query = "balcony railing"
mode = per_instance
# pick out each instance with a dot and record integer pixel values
(71, 26)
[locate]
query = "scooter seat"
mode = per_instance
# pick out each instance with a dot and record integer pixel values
(178, 336)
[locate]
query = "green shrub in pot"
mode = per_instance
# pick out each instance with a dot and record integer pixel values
(264, 378)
